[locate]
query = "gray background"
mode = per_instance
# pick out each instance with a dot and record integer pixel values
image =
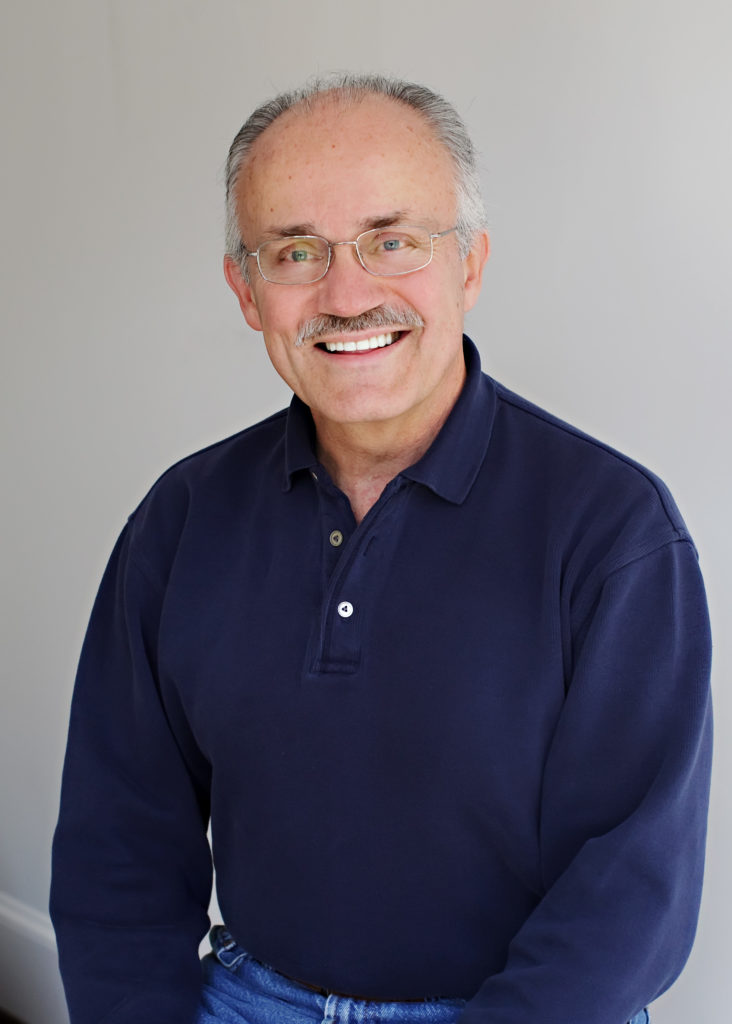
(604, 129)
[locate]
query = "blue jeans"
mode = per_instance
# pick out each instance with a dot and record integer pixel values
(237, 989)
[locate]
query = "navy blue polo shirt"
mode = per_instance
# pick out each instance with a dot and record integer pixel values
(460, 749)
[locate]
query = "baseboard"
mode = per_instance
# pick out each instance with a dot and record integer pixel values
(30, 985)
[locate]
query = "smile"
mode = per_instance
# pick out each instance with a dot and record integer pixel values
(363, 344)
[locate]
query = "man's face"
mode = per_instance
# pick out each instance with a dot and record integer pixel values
(338, 171)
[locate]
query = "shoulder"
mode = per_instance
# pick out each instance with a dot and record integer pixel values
(576, 460)
(245, 451)
(198, 489)
(591, 503)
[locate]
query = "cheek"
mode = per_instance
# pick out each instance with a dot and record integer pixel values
(279, 349)
(444, 295)
(283, 314)
(284, 359)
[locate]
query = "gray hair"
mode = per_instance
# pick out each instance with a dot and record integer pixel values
(440, 115)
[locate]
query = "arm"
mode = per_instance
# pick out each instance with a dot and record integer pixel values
(623, 811)
(131, 862)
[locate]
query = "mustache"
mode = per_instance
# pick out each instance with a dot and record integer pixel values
(324, 325)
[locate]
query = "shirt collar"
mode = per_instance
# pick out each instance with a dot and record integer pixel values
(299, 441)
(450, 465)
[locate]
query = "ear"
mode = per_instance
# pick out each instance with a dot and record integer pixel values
(473, 265)
(243, 292)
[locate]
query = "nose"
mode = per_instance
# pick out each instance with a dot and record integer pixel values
(347, 289)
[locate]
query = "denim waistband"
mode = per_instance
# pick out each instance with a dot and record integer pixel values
(260, 984)
(261, 981)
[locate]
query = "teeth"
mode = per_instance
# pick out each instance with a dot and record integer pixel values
(364, 345)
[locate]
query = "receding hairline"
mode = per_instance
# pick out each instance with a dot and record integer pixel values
(346, 98)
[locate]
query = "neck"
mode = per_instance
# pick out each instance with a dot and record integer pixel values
(362, 458)
(362, 470)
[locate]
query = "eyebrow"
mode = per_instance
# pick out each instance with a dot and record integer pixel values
(308, 228)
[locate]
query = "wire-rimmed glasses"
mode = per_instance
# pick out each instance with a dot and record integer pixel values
(383, 252)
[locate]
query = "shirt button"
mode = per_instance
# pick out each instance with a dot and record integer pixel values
(336, 538)
(345, 609)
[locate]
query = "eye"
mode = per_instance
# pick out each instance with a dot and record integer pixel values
(296, 253)
(391, 242)
(297, 250)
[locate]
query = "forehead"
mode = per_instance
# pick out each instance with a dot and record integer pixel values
(337, 166)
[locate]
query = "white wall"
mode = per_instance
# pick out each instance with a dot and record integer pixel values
(604, 129)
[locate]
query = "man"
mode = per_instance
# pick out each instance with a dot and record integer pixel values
(435, 663)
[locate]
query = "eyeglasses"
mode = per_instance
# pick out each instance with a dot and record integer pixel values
(383, 252)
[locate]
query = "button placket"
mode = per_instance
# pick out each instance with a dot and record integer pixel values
(336, 524)
(348, 596)
(348, 587)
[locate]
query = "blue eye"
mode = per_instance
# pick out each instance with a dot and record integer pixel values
(298, 255)
(391, 244)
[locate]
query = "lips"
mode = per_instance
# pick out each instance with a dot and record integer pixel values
(363, 344)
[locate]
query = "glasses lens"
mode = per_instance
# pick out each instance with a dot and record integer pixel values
(293, 260)
(396, 250)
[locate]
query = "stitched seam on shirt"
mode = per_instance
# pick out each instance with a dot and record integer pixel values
(636, 554)
(147, 571)
(579, 435)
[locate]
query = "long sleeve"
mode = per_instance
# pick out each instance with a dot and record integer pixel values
(623, 810)
(131, 862)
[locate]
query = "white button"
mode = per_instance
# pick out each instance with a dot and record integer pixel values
(345, 609)
(336, 538)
